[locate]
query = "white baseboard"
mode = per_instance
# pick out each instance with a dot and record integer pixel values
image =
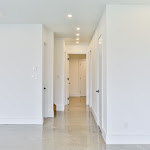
(104, 135)
(94, 114)
(60, 108)
(50, 114)
(128, 139)
(125, 139)
(23, 120)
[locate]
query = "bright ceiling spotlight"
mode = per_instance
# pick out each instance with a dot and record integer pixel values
(77, 39)
(77, 34)
(77, 42)
(78, 29)
(100, 41)
(69, 15)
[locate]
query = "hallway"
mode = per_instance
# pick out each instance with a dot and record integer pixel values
(74, 129)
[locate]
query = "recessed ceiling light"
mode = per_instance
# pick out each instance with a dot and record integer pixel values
(78, 29)
(69, 15)
(77, 39)
(77, 34)
(77, 42)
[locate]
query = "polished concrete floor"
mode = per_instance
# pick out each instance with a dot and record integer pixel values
(74, 129)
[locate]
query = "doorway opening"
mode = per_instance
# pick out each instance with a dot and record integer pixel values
(76, 78)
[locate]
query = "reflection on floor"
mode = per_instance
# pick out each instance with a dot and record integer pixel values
(74, 129)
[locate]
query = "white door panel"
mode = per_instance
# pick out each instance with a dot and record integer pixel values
(99, 82)
(94, 79)
(67, 79)
(74, 77)
(82, 77)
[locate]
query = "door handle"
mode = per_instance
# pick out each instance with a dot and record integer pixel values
(44, 88)
(97, 91)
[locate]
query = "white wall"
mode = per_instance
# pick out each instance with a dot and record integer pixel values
(20, 93)
(59, 73)
(77, 49)
(125, 51)
(128, 74)
(75, 74)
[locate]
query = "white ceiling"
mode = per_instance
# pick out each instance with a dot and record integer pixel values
(53, 14)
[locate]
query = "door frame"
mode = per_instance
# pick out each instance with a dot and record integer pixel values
(87, 76)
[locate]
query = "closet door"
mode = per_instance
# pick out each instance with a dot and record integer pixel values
(67, 67)
(82, 74)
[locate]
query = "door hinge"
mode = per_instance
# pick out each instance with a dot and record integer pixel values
(67, 58)
(67, 78)
(68, 98)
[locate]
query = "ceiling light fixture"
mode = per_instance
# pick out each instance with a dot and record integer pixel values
(77, 39)
(78, 29)
(77, 34)
(69, 15)
(77, 42)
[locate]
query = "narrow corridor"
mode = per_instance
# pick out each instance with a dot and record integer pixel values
(75, 129)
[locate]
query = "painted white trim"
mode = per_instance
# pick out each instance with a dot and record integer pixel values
(60, 108)
(128, 139)
(94, 113)
(104, 135)
(95, 117)
(50, 114)
(22, 120)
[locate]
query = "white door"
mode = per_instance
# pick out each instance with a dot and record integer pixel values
(90, 77)
(82, 73)
(45, 96)
(74, 85)
(94, 81)
(99, 92)
(67, 82)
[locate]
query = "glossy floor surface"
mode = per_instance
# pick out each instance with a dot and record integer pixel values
(74, 129)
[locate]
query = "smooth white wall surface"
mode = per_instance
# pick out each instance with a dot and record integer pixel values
(20, 93)
(128, 74)
(77, 49)
(59, 73)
